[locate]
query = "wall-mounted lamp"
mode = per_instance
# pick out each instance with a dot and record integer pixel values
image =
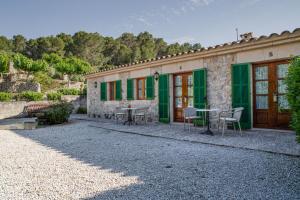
(156, 75)
(95, 84)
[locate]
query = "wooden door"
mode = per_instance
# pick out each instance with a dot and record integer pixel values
(270, 108)
(183, 94)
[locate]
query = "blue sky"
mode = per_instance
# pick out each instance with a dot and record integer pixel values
(208, 22)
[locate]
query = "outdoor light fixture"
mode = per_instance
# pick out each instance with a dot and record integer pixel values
(95, 84)
(156, 75)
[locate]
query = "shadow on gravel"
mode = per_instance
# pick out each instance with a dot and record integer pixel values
(173, 169)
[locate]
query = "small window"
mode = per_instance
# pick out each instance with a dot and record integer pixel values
(141, 88)
(112, 91)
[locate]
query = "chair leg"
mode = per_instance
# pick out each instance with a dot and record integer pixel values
(240, 128)
(223, 129)
(189, 121)
(184, 123)
(233, 127)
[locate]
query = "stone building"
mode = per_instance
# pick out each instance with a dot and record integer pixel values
(247, 73)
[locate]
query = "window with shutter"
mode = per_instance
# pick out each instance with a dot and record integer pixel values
(240, 80)
(150, 87)
(199, 77)
(163, 98)
(103, 88)
(130, 89)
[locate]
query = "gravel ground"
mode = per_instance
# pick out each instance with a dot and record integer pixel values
(78, 161)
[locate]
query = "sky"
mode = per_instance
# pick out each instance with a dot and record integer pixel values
(209, 22)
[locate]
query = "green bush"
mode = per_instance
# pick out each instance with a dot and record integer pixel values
(54, 96)
(31, 96)
(5, 96)
(57, 114)
(293, 93)
(81, 110)
(4, 62)
(69, 91)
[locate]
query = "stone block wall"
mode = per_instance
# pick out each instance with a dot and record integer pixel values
(19, 86)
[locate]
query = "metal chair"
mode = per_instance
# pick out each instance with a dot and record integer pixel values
(231, 117)
(190, 114)
(140, 114)
(119, 114)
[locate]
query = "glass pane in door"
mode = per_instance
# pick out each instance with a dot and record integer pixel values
(261, 73)
(262, 102)
(178, 102)
(282, 102)
(282, 70)
(178, 81)
(262, 87)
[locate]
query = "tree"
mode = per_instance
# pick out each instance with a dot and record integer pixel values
(5, 44)
(173, 49)
(89, 47)
(19, 43)
(147, 45)
(160, 47)
(72, 66)
(4, 62)
(293, 94)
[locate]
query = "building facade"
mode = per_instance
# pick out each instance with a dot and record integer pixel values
(248, 73)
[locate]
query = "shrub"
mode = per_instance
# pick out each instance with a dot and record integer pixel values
(5, 96)
(54, 96)
(81, 110)
(69, 91)
(293, 94)
(4, 62)
(57, 114)
(31, 96)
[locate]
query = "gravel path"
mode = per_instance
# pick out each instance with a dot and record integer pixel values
(78, 161)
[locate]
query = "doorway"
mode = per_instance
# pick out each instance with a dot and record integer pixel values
(270, 106)
(183, 94)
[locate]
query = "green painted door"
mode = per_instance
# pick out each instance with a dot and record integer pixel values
(163, 98)
(240, 77)
(200, 99)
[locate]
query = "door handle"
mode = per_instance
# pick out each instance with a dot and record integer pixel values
(275, 97)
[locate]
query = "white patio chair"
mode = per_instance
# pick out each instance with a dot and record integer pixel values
(190, 114)
(141, 114)
(119, 114)
(231, 117)
(215, 116)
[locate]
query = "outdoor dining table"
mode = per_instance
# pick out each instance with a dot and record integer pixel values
(208, 110)
(129, 116)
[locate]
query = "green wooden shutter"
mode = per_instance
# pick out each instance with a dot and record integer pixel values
(119, 90)
(130, 89)
(150, 87)
(240, 81)
(103, 90)
(163, 98)
(200, 98)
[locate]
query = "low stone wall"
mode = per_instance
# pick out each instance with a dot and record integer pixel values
(16, 108)
(19, 86)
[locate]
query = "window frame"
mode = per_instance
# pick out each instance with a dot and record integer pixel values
(143, 79)
(112, 90)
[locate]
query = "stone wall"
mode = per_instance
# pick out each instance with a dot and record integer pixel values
(16, 108)
(19, 86)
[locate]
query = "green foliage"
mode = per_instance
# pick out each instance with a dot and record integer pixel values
(5, 44)
(4, 62)
(22, 62)
(19, 43)
(293, 93)
(73, 65)
(31, 96)
(54, 96)
(58, 113)
(69, 91)
(26, 64)
(81, 110)
(5, 96)
(93, 48)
